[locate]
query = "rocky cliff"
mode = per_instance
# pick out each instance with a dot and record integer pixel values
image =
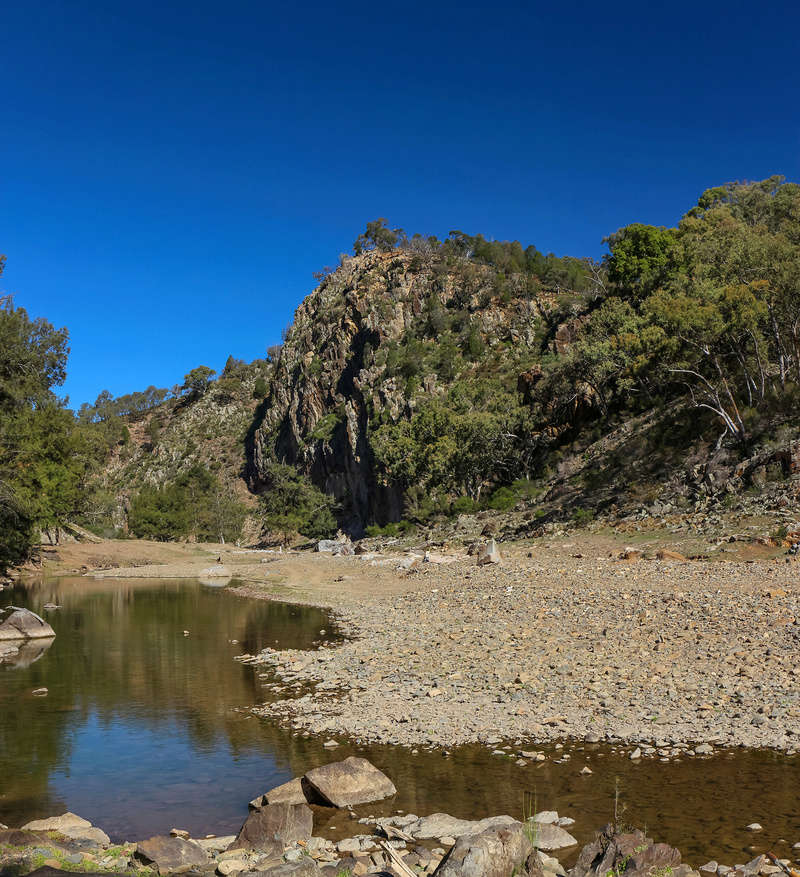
(331, 384)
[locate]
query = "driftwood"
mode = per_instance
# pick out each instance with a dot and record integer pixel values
(396, 860)
(791, 872)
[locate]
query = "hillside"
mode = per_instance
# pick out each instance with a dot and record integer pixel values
(424, 380)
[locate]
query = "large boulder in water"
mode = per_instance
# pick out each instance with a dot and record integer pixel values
(350, 782)
(272, 828)
(18, 623)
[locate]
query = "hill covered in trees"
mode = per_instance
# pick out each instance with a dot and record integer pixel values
(425, 378)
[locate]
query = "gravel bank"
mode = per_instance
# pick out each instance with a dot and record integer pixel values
(556, 646)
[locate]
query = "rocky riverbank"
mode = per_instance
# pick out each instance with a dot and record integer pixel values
(670, 657)
(277, 840)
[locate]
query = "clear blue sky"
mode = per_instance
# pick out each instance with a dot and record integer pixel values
(172, 173)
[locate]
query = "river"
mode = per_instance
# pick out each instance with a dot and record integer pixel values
(145, 728)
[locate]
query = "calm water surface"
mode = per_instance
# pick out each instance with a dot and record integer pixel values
(144, 729)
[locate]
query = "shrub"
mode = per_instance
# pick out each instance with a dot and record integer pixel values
(503, 499)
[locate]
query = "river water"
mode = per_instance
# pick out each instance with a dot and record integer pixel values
(145, 728)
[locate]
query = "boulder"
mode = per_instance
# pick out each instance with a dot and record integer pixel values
(548, 836)
(349, 782)
(296, 791)
(332, 546)
(630, 852)
(495, 852)
(71, 826)
(442, 825)
(218, 571)
(18, 623)
(272, 828)
(489, 553)
(171, 855)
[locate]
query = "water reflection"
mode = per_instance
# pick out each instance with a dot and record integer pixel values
(139, 727)
(23, 654)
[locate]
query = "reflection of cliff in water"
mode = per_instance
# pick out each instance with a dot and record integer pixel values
(120, 656)
(26, 652)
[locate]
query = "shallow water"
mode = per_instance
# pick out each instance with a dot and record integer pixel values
(145, 729)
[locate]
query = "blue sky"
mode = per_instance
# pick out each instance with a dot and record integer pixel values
(172, 174)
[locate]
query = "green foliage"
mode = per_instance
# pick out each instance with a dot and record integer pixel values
(463, 505)
(378, 236)
(325, 427)
(291, 504)
(195, 505)
(503, 499)
(391, 530)
(198, 380)
(260, 389)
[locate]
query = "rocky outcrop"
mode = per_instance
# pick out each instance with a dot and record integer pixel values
(630, 852)
(329, 386)
(18, 624)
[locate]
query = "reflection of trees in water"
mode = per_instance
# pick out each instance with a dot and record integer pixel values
(120, 652)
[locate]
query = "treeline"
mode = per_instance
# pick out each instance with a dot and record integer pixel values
(506, 257)
(47, 456)
(708, 312)
(196, 505)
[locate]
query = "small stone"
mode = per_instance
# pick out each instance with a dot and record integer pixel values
(330, 744)
(754, 826)
(179, 832)
(710, 867)
(586, 771)
(636, 754)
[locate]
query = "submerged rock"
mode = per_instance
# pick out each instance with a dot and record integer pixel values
(349, 782)
(16, 623)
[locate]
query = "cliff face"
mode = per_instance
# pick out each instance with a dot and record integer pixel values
(329, 383)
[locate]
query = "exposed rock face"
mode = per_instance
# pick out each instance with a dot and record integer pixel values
(171, 855)
(349, 782)
(23, 624)
(272, 828)
(327, 387)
